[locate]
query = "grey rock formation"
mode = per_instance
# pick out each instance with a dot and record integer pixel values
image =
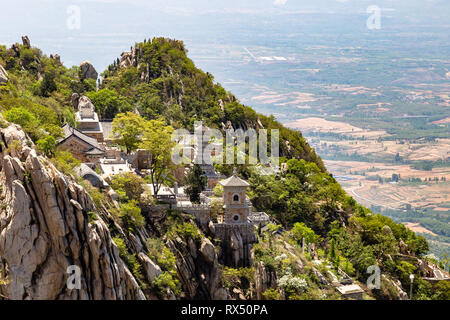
(126, 60)
(207, 250)
(197, 267)
(74, 98)
(152, 270)
(236, 244)
(264, 279)
(44, 229)
(3, 75)
(56, 57)
(26, 41)
(88, 71)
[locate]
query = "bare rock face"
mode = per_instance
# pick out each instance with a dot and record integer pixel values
(236, 244)
(3, 75)
(88, 71)
(197, 266)
(126, 60)
(44, 230)
(207, 251)
(265, 279)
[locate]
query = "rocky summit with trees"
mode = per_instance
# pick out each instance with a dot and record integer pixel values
(129, 245)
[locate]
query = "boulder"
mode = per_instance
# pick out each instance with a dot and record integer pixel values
(152, 270)
(88, 71)
(207, 250)
(211, 227)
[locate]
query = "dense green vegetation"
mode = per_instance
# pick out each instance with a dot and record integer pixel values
(166, 83)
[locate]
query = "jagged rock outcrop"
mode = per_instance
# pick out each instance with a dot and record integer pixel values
(74, 98)
(264, 279)
(197, 266)
(400, 294)
(236, 244)
(3, 75)
(56, 57)
(26, 41)
(128, 59)
(44, 229)
(88, 71)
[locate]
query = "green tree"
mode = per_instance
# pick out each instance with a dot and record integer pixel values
(442, 290)
(128, 185)
(108, 103)
(65, 162)
(127, 129)
(130, 214)
(300, 231)
(216, 208)
(218, 190)
(157, 141)
(47, 145)
(332, 253)
(25, 119)
(48, 84)
(195, 183)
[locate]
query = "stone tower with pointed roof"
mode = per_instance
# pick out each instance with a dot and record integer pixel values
(236, 206)
(234, 229)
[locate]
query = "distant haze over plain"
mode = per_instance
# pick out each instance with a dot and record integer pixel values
(109, 27)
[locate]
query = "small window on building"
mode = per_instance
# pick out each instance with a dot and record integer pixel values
(235, 198)
(236, 217)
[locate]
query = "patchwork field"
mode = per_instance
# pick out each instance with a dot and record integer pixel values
(406, 179)
(361, 180)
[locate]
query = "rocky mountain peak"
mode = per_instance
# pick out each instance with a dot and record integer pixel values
(88, 71)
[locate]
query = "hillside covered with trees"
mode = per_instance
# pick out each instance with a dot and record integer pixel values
(158, 88)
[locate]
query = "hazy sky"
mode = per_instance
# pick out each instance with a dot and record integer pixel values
(108, 27)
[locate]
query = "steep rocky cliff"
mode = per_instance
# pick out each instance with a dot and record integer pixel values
(44, 229)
